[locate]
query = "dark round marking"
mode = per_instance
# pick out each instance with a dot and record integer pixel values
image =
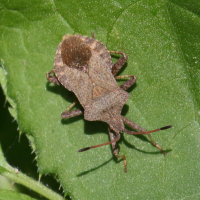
(75, 53)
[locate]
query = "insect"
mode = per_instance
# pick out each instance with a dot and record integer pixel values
(83, 65)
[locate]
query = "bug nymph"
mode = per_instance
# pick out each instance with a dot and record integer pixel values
(83, 65)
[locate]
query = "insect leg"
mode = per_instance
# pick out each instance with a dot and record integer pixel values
(117, 66)
(120, 62)
(93, 35)
(52, 79)
(143, 131)
(128, 83)
(68, 114)
(115, 149)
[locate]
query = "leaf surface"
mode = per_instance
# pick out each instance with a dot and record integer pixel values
(161, 39)
(10, 195)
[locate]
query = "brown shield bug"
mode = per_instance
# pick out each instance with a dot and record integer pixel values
(83, 65)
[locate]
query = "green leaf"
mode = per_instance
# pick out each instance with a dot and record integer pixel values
(17, 177)
(161, 39)
(10, 195)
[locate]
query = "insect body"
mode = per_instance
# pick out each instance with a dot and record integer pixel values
(83, 65)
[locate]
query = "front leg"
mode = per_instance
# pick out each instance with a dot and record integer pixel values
(128, 83)
(115, 149)
(117, 66)
(120, 62)
(68, 114)
(72, 113)
(52, 79)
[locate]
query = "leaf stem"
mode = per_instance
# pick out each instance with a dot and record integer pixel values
(16, 176)
(32, 184)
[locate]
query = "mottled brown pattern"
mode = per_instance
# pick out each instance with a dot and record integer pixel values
(75, 53)
(97, 91)
(99, 48)
(83, 65)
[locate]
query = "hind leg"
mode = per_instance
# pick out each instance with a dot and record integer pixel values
(115, 149)
(140, 129)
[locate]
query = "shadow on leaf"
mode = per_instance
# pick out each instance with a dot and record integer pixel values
(93, 169)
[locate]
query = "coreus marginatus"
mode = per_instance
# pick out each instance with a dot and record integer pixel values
(83, 65)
